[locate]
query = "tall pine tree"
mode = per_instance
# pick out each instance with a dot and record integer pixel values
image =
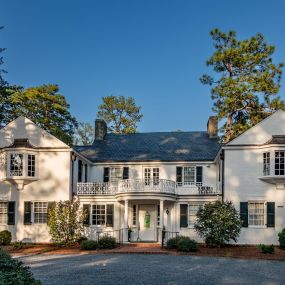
(246, 89)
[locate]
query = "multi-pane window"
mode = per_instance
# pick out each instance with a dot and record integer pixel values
(189, 175)
(16, 164)
(147, 176)
(116, 174)
(266, 163)
(256, 215)
(98, 215)
(31, 165)
(155, 174)
(279, 162)
(40, 212)
(193, 209)
(3, 212)
(134, 215)
(151, 176)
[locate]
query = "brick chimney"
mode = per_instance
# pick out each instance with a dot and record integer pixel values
(212, 127)
(100, 129)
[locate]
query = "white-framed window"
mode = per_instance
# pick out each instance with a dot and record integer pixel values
(193, 208)
(40, 212)
(98, 214)
(256, 214)
(151, 176)
(21, 164)
(189, 175)
(3, 212)
(279, 163)
(266, 163)
(116, 174)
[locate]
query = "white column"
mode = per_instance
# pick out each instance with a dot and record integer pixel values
(161, 208)
(126, 218)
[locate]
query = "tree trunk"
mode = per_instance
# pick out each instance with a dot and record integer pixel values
(228, 128)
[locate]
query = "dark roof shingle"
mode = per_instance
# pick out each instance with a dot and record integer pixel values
(163, 146)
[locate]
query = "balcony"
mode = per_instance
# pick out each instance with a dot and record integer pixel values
(163, 186)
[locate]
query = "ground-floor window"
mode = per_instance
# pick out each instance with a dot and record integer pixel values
(40, 212)
(256, 214)
(193, 209)
(3, 212)
(98, 215)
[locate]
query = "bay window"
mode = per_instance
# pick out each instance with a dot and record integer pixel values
(266, 163)
(279, 163)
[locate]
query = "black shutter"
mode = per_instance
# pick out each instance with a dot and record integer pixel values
(183, 215)
(199, 174)
(79, 171)
(125, 173)
(106, 174)
(179, 175)
(50, 206)
(86, 210)
(11, 213)
(244, 214)
(27, 213)
(86, 173)
(110, 215)
(270, 214)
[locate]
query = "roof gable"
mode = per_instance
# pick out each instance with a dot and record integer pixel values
(23, 128)
(261, 133)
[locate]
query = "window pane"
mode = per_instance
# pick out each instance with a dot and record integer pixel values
(266, 163)
(16, 164)
(40, 212)
(193, 209)
(3, 212)
(279, 163)
(116, 174)
(98, 215)
(189, 175)
(256, 214)
(31, 165)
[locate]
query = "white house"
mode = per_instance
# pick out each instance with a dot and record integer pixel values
(144, 181)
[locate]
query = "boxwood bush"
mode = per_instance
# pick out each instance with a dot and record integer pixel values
(186, 244)
(107, 242)
(89, 245)
(13, 272)
(266, 248)
(172, 242)
(5, 238)
(281, 236)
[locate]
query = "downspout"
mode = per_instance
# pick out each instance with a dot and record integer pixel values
(222, 157)
(73, 158)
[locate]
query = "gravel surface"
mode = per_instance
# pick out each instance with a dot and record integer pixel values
(149, 269)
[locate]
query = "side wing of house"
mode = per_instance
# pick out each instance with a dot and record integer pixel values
(34, 172)
(254, 179)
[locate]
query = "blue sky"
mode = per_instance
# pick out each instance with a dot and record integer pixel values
(153, 50)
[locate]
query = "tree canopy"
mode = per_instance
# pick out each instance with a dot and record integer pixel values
(45, 107)
(120, 113)
(84, 134)
(246, 90)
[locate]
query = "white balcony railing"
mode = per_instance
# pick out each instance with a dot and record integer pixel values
(143, 185)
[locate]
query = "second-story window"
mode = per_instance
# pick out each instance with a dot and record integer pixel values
(266, 163)
(189, 175)
(279, 162)
(116, 174)
(31, 165)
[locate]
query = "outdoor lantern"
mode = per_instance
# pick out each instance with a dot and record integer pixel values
(167, 211)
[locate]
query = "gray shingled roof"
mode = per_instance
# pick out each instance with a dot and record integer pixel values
(163, 146)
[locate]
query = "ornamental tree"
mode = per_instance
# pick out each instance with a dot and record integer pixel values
(245, 90)
(120, 113)
(218, 223)
(65, 221)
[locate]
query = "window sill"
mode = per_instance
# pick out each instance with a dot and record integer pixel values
(257, 227)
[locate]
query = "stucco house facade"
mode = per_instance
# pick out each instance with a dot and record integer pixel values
(144, 181)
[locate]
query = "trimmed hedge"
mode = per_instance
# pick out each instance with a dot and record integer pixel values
(187, 245)
(106, 242)
(5, 238)
(172, 242)
(89, 245)
(266, 248)
(13, 272)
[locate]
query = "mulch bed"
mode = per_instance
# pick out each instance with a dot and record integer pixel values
(233, 251)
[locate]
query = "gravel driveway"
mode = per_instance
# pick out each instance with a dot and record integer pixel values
(148, 269)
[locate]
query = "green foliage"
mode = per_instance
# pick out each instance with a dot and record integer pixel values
(246, 89)
(106, 242)
(281, 239)
(65, 221)
(89, 245)
(186, 244)
(2, 81)
(84, 134)
(266, 248)
(18, 244)
(218, 223)
(13, 272)
(81, 239)
(5, 237)
(172, 242)
(120, 113)
(45, 107)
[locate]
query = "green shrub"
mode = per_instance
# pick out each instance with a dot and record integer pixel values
(172, 242)
(13, 271)
(107, 242)
(281, 236)
(218, 223)
(266, 248)
(186, 244)
(18, 244)
(5, 238)
(89, 245)
(81, 239)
